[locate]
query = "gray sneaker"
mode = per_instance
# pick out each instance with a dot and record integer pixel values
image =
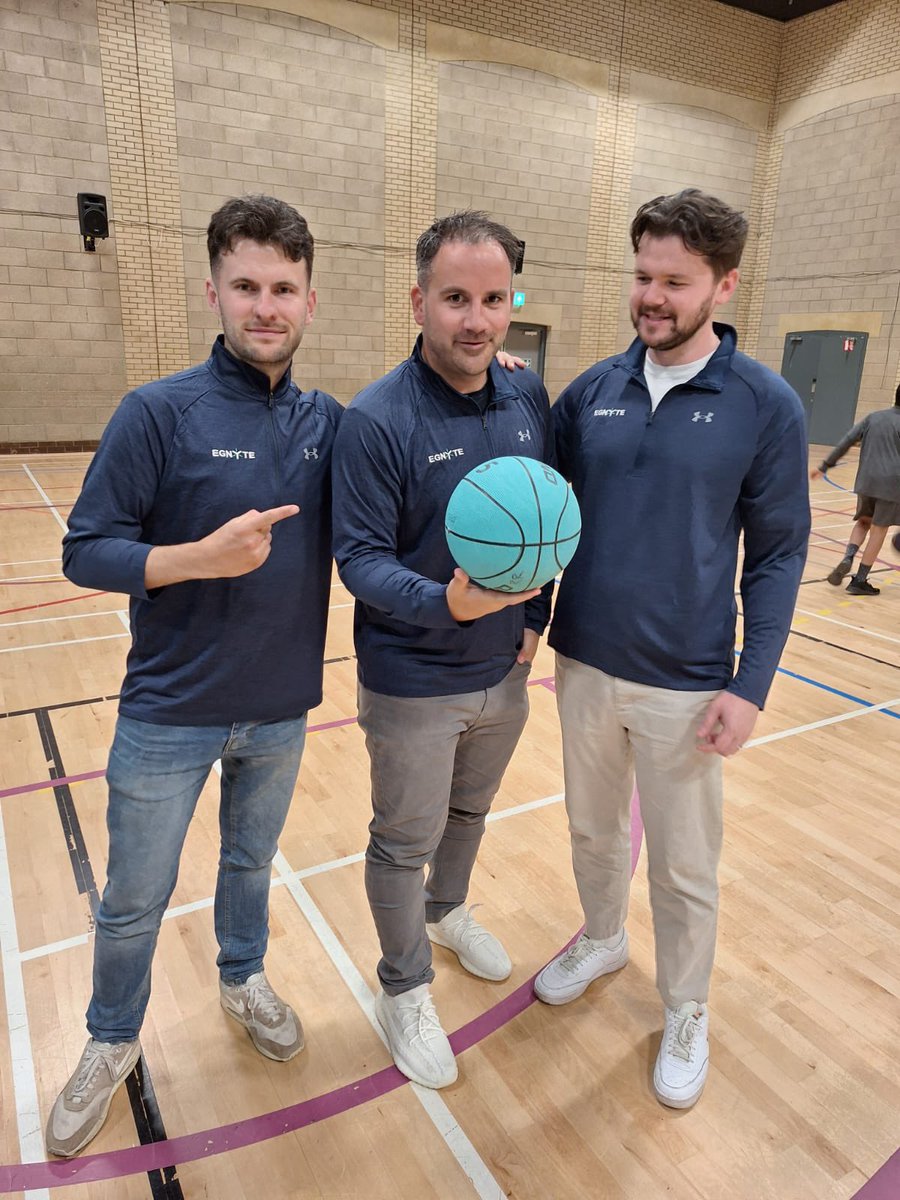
(81, 1107)
(274, 1027)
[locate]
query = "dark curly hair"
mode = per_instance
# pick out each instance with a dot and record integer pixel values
(261, 219)
(705, 224)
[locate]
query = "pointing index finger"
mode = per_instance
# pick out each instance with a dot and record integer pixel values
(273, 515)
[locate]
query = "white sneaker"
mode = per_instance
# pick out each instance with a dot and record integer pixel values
(415, 1037)
(570, 973)
(683, 1060)
(478, 951)
(274, 1027)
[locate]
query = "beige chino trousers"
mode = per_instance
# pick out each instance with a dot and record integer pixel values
(615, 732)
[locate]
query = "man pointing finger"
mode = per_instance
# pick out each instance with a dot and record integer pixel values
(208, 503)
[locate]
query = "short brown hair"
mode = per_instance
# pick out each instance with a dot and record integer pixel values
(470, 226)
(705, 224)
(261, 219)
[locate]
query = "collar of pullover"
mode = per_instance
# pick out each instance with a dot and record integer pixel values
(500, 378)
(711, 378)
(243, 379)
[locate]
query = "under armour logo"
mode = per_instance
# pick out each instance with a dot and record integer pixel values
(525, 436)
(312, 452)
(707, 417)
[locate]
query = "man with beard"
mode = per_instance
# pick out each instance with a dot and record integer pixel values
(673, 449)
(208, 502)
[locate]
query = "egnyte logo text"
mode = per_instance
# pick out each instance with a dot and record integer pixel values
(311, 452)
(443, 455)
(609, 412)
(699, 416)
(234, 454)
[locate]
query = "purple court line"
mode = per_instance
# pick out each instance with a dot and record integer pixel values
(884, 1184)
(192, 1147)
(44, 785)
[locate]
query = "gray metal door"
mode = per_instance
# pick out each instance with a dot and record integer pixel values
(824, 366)
(528, 342)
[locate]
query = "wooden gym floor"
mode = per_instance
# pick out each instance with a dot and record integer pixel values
(803, 1099)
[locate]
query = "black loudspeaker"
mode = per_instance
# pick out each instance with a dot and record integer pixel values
(92, 219)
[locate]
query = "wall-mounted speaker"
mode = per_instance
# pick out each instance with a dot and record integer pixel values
(92, 218)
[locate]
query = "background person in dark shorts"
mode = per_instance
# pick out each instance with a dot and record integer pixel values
(877, 490)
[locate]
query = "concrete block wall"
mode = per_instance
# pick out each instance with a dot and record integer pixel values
(271, 102)
(373, 118)
(520, 144)
(61, 340)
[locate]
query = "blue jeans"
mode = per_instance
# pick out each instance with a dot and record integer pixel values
(155, 776)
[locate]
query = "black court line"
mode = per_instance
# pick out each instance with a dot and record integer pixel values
(845, 649)
(28, 712)
(65, 806)
(164, 1185)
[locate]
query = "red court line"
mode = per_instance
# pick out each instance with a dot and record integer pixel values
(251, 1131)
(49, 603)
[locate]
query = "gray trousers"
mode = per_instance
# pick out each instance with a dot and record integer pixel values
(436, 765)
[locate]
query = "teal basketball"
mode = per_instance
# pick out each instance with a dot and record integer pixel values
(512, 524)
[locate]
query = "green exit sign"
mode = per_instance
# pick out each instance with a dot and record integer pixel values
(518, 299)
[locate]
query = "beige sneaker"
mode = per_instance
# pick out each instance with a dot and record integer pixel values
(81, 1107)
(274, 1027)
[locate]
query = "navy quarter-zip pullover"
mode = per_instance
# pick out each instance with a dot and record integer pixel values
(664, 496)
(179, 458)
(404, 444)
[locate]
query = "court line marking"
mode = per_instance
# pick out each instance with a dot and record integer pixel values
(868, 708)
(253, 1130)
(50, 505)
(34, 578)
(29, 562)
(459, 1145)
(334, 864)
(103, 637)
(884, 637)
(21, 1054)
(107, 612)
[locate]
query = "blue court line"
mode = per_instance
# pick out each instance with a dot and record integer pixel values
(888, 712)
(826, 687)
(833, 484)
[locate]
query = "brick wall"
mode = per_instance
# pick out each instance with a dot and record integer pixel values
(61, 337)
(520, 145)
(170, 108)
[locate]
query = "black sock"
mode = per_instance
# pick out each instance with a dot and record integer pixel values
(862, 572)
(850, 552)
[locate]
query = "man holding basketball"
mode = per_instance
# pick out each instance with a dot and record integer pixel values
(443, 664)
(208, 502)
(674, 449)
